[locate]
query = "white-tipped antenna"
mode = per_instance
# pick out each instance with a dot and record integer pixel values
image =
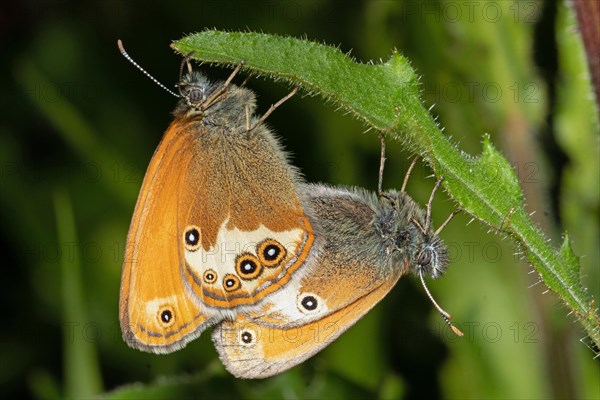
(128, 57)
(445, 315)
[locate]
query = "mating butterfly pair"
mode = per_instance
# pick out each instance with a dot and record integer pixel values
(226, 233)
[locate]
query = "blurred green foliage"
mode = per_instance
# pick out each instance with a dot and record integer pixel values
(80, 125)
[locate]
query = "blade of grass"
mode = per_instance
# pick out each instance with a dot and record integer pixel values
(81, 369)
(73, 128)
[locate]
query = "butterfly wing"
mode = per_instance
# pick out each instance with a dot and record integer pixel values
(252, 350)
(217, 227)
(156, 312)
(351, 273)
(253, 233)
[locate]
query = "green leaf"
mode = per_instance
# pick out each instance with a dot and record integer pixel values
(386, 97)
(566, 251)
(280, 57)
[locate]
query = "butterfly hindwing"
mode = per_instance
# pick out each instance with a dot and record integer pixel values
(249, 349)
(351, 272)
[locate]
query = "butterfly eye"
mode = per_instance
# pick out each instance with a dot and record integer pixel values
(195, 96)
(166, 317)
(210, 276)
(424, 258)
(191, 238)
(271, 253)
(231, 283)
(247, 266)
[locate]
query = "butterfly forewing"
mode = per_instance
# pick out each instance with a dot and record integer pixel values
(156, 312)
(253, 234)
(218, 226)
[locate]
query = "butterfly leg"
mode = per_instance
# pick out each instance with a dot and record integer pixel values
(246, 81)
(443, 225)
(381, 164)
(408, 172)
(247, 118)
(506, 219)
(425, 229)
(185, 62)
(429, 203)
(273, 107)
(217, 93)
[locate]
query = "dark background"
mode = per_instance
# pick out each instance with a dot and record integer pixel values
(79, 125)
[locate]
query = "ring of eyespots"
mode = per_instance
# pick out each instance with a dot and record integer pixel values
(210, 276)
(191, 238)
(166, 317)
(248, 266)
(231, 283)
(270, 253)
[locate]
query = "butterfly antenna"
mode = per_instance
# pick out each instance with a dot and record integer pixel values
(445, 315)
(128, 57)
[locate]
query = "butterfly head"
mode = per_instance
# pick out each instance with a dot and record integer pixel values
(413, 244)
(216, 103)
(404, 227)
(194, 89)
(431, 255)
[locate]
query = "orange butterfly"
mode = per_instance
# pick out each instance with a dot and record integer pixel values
(218, 224)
